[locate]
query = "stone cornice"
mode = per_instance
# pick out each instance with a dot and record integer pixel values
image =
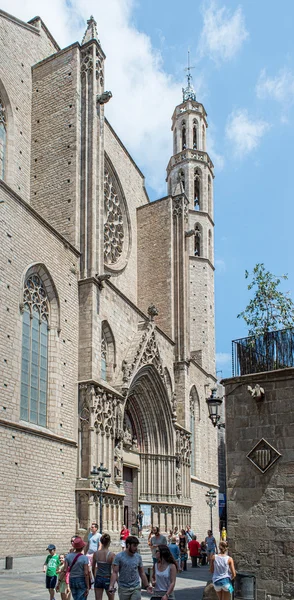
(207, 483)
(14, 196)
(189, 155)
(201, 258)
(39, 432)
(202, 213)
(101, 384)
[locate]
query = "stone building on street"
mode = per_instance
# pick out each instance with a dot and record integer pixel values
(107, 303)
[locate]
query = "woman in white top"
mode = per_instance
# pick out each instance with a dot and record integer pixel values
(164, 574)
(223, 571)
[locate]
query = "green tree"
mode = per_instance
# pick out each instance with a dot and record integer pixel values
(269, 309)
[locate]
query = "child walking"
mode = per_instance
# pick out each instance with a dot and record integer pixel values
(63, 580)
(51, 565)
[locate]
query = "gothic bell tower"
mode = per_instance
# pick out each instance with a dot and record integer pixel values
(191, 170)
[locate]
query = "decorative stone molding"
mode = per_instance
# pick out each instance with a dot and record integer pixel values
(86, 61)
(147, 353)
(2, 113)
(183, 447)
(105, 408)
(263, 455)
(116, 221)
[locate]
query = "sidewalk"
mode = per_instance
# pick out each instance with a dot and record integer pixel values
(26, 581)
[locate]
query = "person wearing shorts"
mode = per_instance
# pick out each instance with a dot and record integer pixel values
(223, 571)
(102, 566)
(51, 565)
(211, 547)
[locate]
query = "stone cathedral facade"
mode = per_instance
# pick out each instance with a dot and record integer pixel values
(107, 303)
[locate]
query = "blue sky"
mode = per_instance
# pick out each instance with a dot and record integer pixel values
(243, 55)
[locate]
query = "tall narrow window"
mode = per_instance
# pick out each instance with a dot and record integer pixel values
(103, 357)
(195, 125)
(197, 241)
(192, 428)
(34, 366)
(2, 138)
(210, 245)
(175, 141)
(203, 138)
(184, 138)
(209, 194)
(197, 190)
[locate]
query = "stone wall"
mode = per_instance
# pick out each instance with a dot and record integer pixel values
(21, 46)
(38, 464)
(261, 505)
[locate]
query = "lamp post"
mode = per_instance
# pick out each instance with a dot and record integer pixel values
(101, 483)
(211, 501)
(214, 402)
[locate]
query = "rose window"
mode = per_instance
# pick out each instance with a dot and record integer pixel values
(114, 226)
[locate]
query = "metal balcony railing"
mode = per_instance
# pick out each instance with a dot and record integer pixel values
(267, 352)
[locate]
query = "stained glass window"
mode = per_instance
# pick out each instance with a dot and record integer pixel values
(2, 138)
(34, 364)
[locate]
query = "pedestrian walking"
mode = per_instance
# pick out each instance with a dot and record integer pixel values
(175, 550)
(156, 540)
(93, 542)
(164, 574)
(78, 566)
(183, 550)
(140, 516)
(63, 580)
(128, 569)
(203, 554)
(211, 547)
(50, 567)
(124, 534)
(223, 571)
(194, 549)
(101, 566)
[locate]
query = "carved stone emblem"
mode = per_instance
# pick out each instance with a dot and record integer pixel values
(263, 455)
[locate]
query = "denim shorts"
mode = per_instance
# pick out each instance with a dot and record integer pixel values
(102, 582)
(51, 581)
(224, 584)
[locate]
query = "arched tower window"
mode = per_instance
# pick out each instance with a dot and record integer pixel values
(184, 136)
(34, 364)
(197, 240)
(210, 245)
(2, 138)
(103, 357)
(197, 189)
(107, 352)
(182, 178)
(203, 138)
(209, 194)
(195, 134)
(175, 140)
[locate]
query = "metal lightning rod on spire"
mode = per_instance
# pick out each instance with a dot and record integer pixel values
(189, 92)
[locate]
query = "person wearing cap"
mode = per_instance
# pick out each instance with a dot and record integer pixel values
(78, 565)
(51, 565)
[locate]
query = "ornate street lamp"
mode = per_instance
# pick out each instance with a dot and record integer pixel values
(100, 482)
(214, 402)
(211, 501)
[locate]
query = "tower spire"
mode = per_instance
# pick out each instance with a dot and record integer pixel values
(189, 92)
(91, 31)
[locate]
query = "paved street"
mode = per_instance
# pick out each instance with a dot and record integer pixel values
(24, 582)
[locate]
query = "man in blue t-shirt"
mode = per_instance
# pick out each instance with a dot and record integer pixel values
(128, 568)
(93, 542)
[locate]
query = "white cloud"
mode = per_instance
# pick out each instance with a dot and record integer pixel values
(244, 133)
(144, 95)
(223, 32)
(223, 359)
(279, 88)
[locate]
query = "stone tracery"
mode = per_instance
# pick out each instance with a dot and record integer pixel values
(114, 233)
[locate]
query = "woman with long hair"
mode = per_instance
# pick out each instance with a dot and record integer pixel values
(183, 550)
(223, 571)
(101, 566)
(164, 574)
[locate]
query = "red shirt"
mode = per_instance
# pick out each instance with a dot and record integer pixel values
(124, 534)
(194, 548)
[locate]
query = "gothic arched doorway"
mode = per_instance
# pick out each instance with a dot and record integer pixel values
(151, 437)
